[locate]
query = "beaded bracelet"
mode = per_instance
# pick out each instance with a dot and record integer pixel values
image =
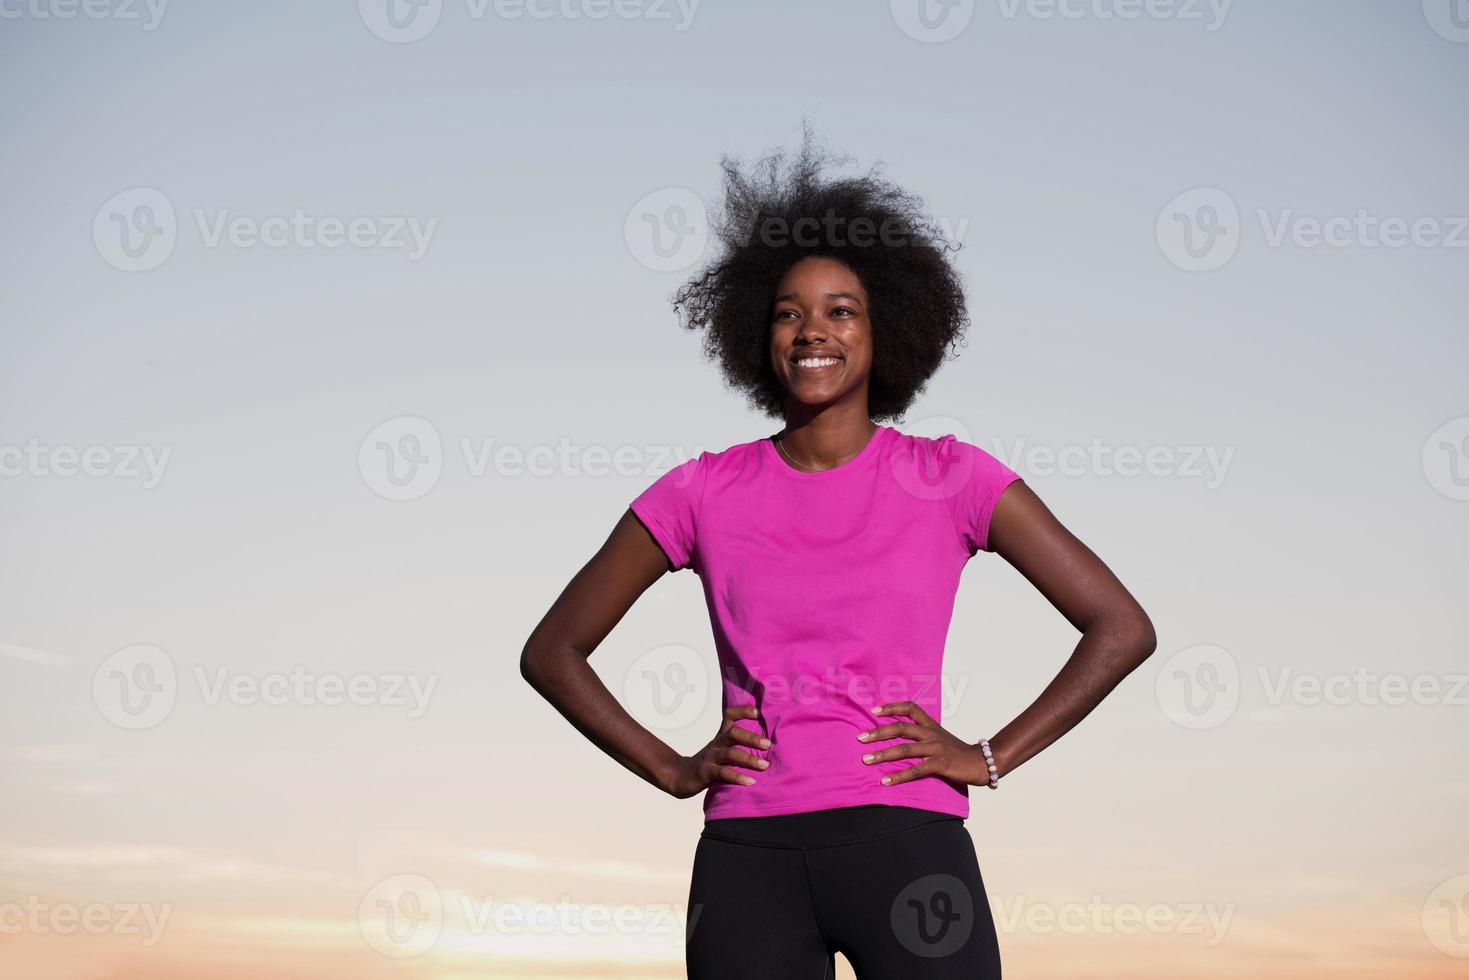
(989, 760)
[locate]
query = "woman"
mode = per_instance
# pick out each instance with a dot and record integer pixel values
(830, 553)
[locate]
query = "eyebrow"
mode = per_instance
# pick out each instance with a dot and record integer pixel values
(795, 296)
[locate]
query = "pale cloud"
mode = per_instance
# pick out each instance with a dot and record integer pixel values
(88, 858)
(527, 861)
(14, 651)
(509, 859)
(623, 870)
(41, 753)
(152, 863)
(414, 849)
(81, 787)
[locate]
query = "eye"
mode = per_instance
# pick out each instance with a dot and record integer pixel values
(844, 309)
(781, 313)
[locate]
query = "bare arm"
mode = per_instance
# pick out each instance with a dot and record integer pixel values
(555, 663)
(1116, 634)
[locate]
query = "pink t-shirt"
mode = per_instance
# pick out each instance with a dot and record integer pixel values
(829, 593)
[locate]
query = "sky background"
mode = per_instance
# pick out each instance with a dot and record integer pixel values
(277, 512)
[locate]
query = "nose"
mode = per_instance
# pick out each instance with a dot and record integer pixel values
(811, 331)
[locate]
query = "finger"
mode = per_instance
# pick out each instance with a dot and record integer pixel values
(724, 774)
(910, 708)
(736, 711)
(898, 729)
(907, 775)
(912, 750)
(745, 736)
(738, 758)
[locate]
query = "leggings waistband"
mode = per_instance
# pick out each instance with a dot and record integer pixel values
(823, 828)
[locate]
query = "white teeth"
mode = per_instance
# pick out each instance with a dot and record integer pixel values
(816, 361)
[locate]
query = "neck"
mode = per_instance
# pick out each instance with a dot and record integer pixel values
(827, 440)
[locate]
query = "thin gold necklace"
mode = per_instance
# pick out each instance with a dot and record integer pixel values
(812, 469)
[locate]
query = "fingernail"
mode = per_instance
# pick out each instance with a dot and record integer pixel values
(762, 763)
(867, 758)
(877, 710)
(863, 736)
(765, 743)
(886, 780)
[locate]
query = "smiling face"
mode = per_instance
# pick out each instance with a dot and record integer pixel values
(820, 333)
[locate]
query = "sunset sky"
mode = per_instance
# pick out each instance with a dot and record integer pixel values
(336, 337)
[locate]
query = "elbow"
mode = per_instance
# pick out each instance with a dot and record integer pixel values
(533, 665)
(1128, 635)
(1141, 640)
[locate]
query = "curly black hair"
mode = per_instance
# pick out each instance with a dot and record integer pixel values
(785, 210)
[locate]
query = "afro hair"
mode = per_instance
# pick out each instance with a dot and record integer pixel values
(782, 210)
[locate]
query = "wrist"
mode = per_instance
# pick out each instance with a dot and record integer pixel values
(665, 773)
(990, 769)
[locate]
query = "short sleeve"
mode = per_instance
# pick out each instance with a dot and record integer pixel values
(669, 509)
(975, 480)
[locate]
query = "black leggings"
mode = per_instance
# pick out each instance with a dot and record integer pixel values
(895, 890)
